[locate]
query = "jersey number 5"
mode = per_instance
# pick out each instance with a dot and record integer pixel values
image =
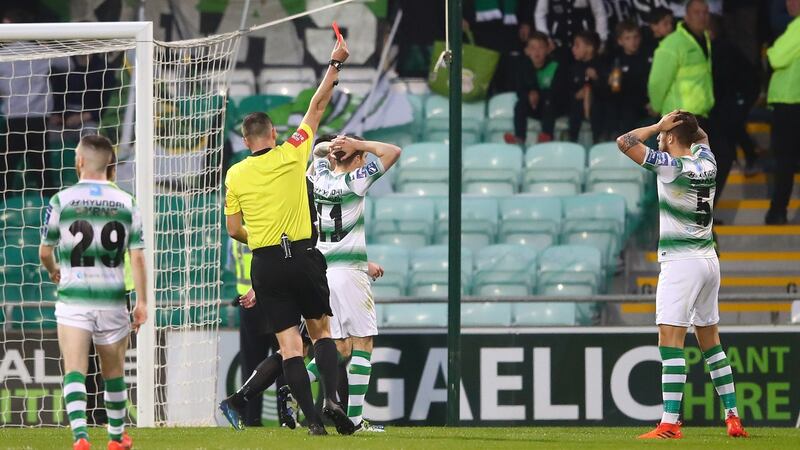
(703, 217)
(112, 238)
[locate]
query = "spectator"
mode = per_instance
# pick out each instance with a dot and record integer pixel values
(584, 85)
(736, 87)
(26, 107)
(627, 81)
(539, 90)
(681, 78)
(784, 97)
(562, 20)
(660, 23)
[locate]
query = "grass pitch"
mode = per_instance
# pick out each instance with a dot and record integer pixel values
(406, 438)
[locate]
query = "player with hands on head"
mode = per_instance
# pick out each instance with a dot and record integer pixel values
(688, 285)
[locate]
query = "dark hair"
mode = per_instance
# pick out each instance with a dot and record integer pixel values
(589, 37)
(257, 124)
(331, 137)
(539, 36)
(692, 2)
(112, 165)
(626, 26)
(98, 143)
(658, 14)
(686, 132)
(324, 138)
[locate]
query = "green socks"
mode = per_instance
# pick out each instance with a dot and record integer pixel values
(116, 399)
(75, 397)
(722, 377)
(358, 379)
(673, 378)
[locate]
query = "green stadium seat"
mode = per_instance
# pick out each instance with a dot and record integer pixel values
(437, 122)
(429, 271)
(401, 136)
(536, 314)
(486, 314)
(417, 102)
(33, 317)
(611, 171)
(414, 315)
(529, 220)
(425, 189)
(500, 116)
(395, 263)
(597, 220)
(632, 193)
(569, 265)
(423, 164)
(402, 220)
(554, 168)
(492, 169)
(504, 270)
(479, 217)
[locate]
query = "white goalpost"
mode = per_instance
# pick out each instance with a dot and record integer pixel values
(162, 105)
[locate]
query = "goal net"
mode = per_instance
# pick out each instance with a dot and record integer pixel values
(162, 105)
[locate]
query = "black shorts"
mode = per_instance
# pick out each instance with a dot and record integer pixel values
(288, 288)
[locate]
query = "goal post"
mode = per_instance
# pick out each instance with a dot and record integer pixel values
(168, 112)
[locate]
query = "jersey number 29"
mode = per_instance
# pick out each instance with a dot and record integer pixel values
(112, 238)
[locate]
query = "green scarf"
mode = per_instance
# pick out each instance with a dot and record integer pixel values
(488, 10)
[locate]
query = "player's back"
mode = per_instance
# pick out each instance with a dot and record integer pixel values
(92, 224)
(686, 189)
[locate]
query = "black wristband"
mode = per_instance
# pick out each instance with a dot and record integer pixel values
(336, 64)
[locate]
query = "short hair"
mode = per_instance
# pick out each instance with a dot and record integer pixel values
(658, 14)
(257, 124)
(324, 138)
(589, 37)
(686, 132)
(539, 36)
(112, 166)
(692, 2)
(626, 26)
(101, 149)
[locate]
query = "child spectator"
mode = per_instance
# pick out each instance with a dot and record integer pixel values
(627, 81)
(660, 23)
(584, 87)
(539, 88)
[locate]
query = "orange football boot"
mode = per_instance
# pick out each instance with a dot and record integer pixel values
(664, 431)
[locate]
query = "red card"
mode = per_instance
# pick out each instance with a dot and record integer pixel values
(336, 30)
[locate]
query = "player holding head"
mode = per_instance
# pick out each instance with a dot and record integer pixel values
(91, 225)
(688, 285)
(342, 175)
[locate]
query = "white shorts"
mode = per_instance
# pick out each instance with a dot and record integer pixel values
(688, 293)
(106, 325)
(352, 304)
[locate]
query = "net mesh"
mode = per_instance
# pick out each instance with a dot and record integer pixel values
(52, 93)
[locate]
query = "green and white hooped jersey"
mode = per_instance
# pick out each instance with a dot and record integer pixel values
(686, 188)
(92, 224)
(340, 212)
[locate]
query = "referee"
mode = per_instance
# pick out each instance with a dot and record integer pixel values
(268, 192)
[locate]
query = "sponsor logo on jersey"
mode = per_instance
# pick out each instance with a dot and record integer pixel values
(366, 171)
(297, 138)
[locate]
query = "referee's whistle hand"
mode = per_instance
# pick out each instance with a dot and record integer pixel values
(248, 300)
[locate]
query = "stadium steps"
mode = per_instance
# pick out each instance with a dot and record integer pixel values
(743, 238)
(756, 187)
(739, 283)
(749, 211)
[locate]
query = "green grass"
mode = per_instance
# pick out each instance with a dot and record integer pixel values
(407, 438)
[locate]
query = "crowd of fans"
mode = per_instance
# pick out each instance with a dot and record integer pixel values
(621, 64)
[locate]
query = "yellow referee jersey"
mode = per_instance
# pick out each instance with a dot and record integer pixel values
(269, 189)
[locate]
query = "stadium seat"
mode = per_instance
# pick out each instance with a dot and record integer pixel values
(486, 314)
(355, 80)
(570, 266)
(597, 220)
(423, 167)
(414, 315)
(437, 122)
(401, 220)
(417, 102)
(500, 116)
(429, 271)
(242, 82)
(286, 81)
(479, 217)
(33, 317)
(504, 270)
(554, 168)
(529, 220)
(492, 169)
(616, 173)
(395, 262)
(536, 314)
(402, 136)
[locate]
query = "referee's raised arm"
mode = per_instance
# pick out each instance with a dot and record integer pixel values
(324, 92)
